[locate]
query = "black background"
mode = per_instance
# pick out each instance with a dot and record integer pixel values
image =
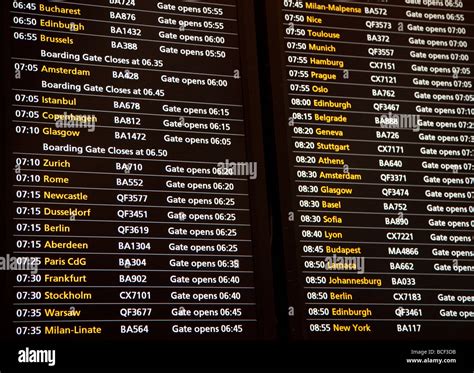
(384, 356)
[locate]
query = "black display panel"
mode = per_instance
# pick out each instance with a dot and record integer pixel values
(135, 185)
(185, 181)
(373, 103)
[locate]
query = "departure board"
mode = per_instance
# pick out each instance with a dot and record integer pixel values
(185, 181)
(374, 125)
(133, 172)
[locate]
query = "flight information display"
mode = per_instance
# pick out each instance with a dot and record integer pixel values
(194, 178)
(374, 109)
(133, 172)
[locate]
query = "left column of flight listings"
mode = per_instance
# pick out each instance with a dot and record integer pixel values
(131, 211)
